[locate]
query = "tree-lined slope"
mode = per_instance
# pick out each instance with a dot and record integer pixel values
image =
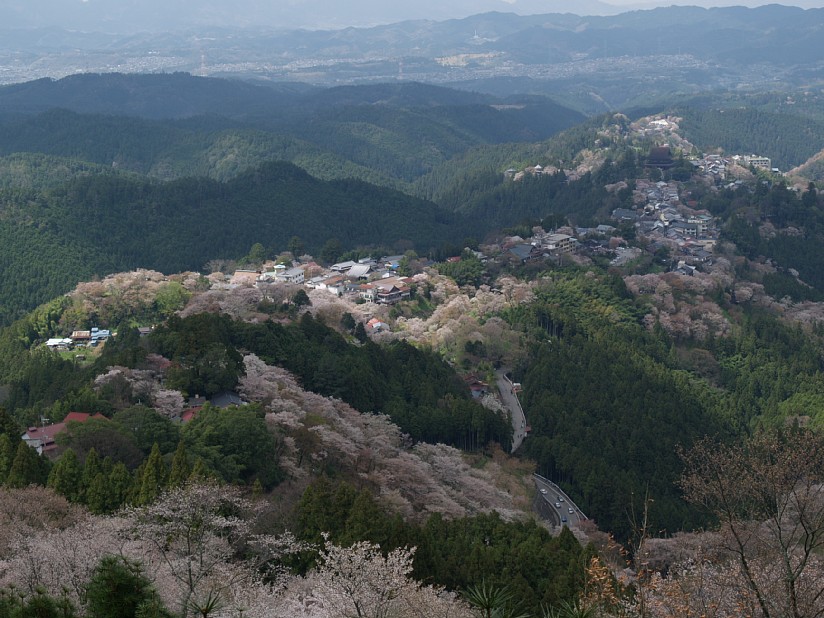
(97, 225)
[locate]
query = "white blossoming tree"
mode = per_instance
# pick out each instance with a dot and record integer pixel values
(361, 582)
(190, 540)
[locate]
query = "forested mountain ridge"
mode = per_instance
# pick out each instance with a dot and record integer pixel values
(698, 355)
(173, 95)
(29, 171)
(101, 224)
(261, 105)
(462, 178)
(387, 134)
(167, 150)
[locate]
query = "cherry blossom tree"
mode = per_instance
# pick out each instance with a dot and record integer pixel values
(361, 582)
(190, 538)
(415, 480)
(768, 496)
(61, 561)
(33, 511)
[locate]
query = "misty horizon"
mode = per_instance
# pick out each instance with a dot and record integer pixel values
(131, 16)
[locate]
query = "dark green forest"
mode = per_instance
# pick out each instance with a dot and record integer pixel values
(612, 405)
(95, 225)
(787, 139)
(539, 569)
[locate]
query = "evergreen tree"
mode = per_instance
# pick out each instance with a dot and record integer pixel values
(295, 246)
(120, 486)
(181, 470)
(153, 608)
(360, 333)
(366, 520)
(257, 254)
(8, 426)
(200, 472)
(257, 488)
(118, 589)
(331, 251)
(66, 475)
(301, 298)
(347, 321)
(38, 605)
(91, 468)
(99, 496)
(153, 477)
(6, 456)
(27, 468)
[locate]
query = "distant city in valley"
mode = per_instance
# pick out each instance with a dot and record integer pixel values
(669, 50)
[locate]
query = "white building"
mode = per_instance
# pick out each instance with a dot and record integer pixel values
(291, 275)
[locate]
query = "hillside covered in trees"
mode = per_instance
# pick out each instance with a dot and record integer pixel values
(337, 444)
(97, 224)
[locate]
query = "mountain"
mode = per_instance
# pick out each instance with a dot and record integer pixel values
(97, 224)
(812, 168)
(134, 16)
(597, 63)
(175, 95)
(180, 125)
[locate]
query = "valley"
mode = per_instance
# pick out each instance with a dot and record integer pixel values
(416, 323)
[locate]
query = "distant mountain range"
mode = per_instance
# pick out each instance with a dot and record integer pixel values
(132, 16)
(599, 63)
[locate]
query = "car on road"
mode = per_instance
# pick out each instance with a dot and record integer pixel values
(560, 498)
(563, 520)
(557, 505)
(570, 510)
(543, 491)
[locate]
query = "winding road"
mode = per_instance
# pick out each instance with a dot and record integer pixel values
(550, 501)
(555, 505)
(512, 404)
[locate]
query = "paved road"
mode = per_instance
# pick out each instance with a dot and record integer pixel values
(552, 495)
(551, 502)
(514, 406)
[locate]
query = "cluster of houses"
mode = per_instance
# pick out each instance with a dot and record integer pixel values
(541, 246)
(719, 168)
(715, 166)
(539, 170)
(368, 279)
(658, 215)
(80, 338)
(665, 221)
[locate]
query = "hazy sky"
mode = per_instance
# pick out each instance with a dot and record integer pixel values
(805, 4)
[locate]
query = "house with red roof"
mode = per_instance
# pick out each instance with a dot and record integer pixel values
(43, 439)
